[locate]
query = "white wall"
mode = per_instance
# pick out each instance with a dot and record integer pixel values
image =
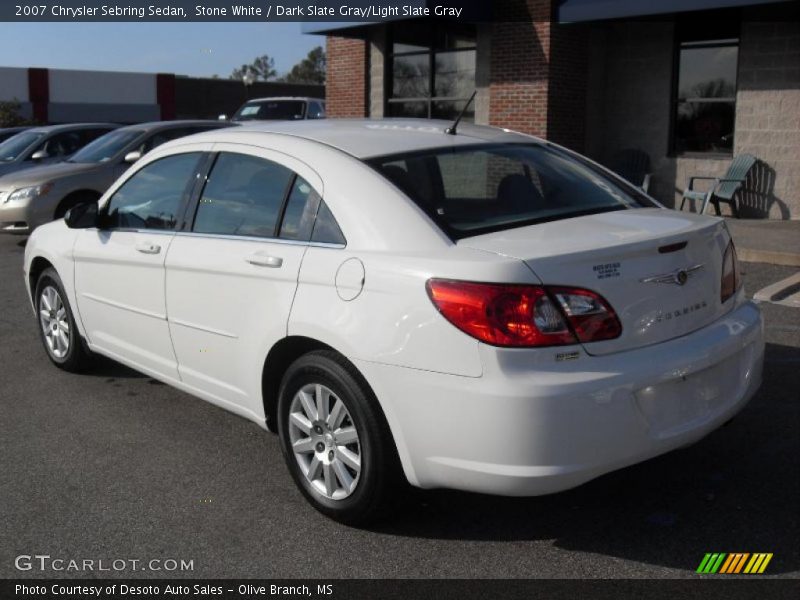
(13, 84)
(101, 87)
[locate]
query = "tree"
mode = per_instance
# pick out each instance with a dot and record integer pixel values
(261, 69)
(9, 114)
(309, 70)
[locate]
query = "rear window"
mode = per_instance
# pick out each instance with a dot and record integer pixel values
(271, 110)
(472, 190)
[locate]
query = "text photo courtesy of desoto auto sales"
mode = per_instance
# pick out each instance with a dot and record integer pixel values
(416, 299)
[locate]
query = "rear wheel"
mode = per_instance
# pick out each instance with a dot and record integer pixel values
(57, 329)
(335, 440)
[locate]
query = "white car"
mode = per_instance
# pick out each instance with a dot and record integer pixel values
(483, 311)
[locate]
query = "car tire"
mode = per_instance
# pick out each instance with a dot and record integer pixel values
(329, 423)
(62, 343)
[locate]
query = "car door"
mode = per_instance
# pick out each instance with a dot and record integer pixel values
(232, 276)
(119, 268)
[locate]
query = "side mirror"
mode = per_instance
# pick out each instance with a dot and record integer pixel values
(132, 157)
(222, 117)
(40, 155)
(82, 216)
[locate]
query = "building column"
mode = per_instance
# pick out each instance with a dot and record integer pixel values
(346, 86)
(537, 78)
(39, 93)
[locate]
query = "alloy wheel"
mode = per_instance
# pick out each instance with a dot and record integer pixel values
(325, 441)
(54, 322)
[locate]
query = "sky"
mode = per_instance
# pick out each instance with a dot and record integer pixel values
(198, 49)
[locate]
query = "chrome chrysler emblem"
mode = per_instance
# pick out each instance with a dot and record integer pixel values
(678, 276)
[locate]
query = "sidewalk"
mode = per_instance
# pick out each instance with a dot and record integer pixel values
(767, 241)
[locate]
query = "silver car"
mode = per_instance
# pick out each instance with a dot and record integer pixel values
(52, 143)
(40, 195)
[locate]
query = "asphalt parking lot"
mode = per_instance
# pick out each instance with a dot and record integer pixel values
(115, 465)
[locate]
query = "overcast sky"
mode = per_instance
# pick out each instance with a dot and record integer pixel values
(200, 49)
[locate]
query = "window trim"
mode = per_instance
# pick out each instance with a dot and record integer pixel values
(683, 40)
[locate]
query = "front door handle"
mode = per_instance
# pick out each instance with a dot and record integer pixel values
(148, 247)
(264, 260)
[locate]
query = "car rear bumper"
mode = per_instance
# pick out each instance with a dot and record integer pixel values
(532, 425)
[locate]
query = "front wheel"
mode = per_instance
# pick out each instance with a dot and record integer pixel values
(335, 440)
(57, 329)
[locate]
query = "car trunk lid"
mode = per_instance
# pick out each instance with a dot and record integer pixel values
(659, 270)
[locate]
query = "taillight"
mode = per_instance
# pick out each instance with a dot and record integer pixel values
(524, 315)
(731, 279)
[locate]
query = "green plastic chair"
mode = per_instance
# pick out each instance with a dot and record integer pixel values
(724, 188)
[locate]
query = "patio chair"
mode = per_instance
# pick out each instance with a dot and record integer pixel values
(633, 165)
(723, 189)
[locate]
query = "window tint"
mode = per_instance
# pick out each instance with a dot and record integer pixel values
(705, 98)
(301, 208)
(315, 111)
(472, 190)
(151, 198)
(62, 144)
(243, 196)
(166, 135)
(326, 229)
(89, 135)
(106, 147)
(16, 145)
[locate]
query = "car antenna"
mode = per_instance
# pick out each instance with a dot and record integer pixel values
(452, 129)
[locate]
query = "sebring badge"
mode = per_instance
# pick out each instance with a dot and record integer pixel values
(678, 276)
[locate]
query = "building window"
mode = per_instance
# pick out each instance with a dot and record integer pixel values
(705, 106)
(431, 69)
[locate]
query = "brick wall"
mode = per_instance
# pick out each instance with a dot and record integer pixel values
(518, 72)
(346, 86)
(537, 74)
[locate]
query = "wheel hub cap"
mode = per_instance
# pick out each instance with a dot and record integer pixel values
(325, 441)
(54, 322)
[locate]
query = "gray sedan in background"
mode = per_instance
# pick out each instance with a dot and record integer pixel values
(7, 132)
(52, 143)
(40, 195)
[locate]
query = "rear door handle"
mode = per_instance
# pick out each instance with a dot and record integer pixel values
(147, 247)
(263, 260)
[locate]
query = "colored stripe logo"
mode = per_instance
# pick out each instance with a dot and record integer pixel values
(734, 563)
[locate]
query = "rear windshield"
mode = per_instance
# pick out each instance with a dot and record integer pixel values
(471, 190)
(14, 146)
(105, 147)
(271, 110)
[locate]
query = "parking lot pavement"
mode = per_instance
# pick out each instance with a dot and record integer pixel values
(114, 465)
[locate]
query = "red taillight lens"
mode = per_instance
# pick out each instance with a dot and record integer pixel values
(524, 315)
(731, 281)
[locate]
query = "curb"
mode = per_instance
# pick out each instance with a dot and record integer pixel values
(765, 256)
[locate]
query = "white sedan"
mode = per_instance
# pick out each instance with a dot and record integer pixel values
(480, 310)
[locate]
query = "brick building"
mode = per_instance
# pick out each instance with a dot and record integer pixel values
(690, 82)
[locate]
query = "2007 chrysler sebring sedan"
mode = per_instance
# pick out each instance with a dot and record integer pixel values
(483, 311)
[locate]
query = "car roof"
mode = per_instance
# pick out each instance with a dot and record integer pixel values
(156, 125)
(70, 127)
(367, 138)
(269, 98)
(15, 128)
